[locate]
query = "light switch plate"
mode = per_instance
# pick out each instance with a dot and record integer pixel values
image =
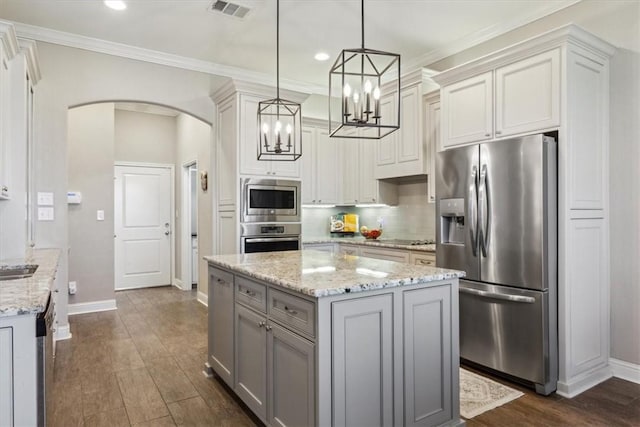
(45, 199)
(45, 214)
(100, 215)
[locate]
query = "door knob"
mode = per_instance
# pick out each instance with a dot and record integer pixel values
(166, 233)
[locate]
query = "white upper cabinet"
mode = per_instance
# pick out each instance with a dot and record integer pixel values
(249, 163)
(410, 146)
(350, 153)
(515, 99)
(467, 110)
(320, 160)
(386, 147)
(528, 95)
(432, 130)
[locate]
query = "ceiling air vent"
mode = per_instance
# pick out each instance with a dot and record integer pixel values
(229, 8)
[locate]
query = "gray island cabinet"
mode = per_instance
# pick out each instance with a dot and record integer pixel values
(308, 338)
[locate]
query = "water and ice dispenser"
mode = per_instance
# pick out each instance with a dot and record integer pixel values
(452, 221)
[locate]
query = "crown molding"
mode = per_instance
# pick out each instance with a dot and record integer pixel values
(315, 122)
(30, 50)
(482, 36)
(234, 86)
(569, 33)
(156, 57)
(8, 39)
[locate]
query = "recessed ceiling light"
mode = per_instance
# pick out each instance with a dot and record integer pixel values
(115, 4)
(321, 56)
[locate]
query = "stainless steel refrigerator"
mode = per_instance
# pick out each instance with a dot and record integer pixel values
(497, 221)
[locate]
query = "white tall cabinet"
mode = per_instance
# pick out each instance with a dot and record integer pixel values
(236, 154)
(558, 81)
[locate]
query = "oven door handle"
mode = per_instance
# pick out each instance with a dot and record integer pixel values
(272, 239)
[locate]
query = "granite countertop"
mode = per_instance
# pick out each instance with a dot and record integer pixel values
(320, 274)
(29, 296)
(382, 243)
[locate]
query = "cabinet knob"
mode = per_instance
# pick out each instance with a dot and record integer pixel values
(313, 201)
(373, 199)
(498, 132)
(487, 134)
(5, 188)
(288, 310)
(268, 328)
(319, 201)
(261, 324)
(356, 201)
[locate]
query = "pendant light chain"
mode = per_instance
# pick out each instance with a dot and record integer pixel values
(278, 49)
(362, 21)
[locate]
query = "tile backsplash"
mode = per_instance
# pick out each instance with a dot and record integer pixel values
(413, 218)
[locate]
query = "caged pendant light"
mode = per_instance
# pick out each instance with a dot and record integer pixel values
(356, 79)
(279, 120)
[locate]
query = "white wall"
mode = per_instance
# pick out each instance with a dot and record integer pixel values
(73, 77)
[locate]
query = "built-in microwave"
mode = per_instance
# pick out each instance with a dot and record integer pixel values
(270, 200)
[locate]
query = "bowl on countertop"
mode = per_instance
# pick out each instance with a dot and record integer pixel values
(371, 234)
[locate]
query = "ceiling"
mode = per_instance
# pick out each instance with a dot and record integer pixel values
(420, 30)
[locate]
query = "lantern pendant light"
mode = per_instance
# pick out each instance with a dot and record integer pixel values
(356, 79)
(279, 120)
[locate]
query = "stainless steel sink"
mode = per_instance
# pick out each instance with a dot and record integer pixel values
(22, 272)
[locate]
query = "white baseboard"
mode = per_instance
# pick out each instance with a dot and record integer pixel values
(625, 370)
(203, 299)
(62, 333)
(177, 283)
(92, 307)
(584, 381)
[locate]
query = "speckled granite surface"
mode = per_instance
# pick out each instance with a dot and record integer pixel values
(375, 243)
(320, 274)
(29, 296)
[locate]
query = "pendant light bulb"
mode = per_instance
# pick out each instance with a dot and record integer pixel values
(278, 127)
(367, 86)
(289, 128)
(265, 128)
(376, 93)
(356, 97)
(347, 90)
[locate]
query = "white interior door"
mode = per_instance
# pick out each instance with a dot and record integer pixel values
(142, 226)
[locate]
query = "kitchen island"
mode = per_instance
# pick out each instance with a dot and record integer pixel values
(309, 338)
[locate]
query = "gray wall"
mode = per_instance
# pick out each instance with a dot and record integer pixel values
(90, 165)
(74, 77)
(194, 140)
(625, 206)
(145, 138)
(618, 23)
(413, 218)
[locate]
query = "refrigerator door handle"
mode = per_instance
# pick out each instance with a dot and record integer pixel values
(473, 210)
(485, 294)
(483, 201)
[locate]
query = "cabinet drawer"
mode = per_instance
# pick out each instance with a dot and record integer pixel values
(293, 311)
(428, 259)
(386, 254)
(219, 276)
(251, 293)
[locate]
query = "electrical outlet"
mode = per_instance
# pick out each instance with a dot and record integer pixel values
(73, 287)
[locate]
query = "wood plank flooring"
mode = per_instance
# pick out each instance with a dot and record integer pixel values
(142, 365)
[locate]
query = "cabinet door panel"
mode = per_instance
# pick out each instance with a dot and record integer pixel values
(309, 164)
(386, 147)
(427, 356)
(467, 110)
(433, 145)
(528, 94)
(286, 169)
(227, 150)
(291, 379)
(350, 175)
(6, 377)
(327, 176)
(362, 331)
(410, 141)
(368, 182)
(251, 360)
(249, 163)
(221, 323)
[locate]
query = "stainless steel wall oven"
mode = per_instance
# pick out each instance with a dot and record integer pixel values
(269, 237)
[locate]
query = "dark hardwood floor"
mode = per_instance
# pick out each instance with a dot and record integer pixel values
(142, 365)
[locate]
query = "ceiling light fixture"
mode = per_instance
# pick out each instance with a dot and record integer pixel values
(115, 4)
(321, 56)
(279, 120)
(356, 79)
